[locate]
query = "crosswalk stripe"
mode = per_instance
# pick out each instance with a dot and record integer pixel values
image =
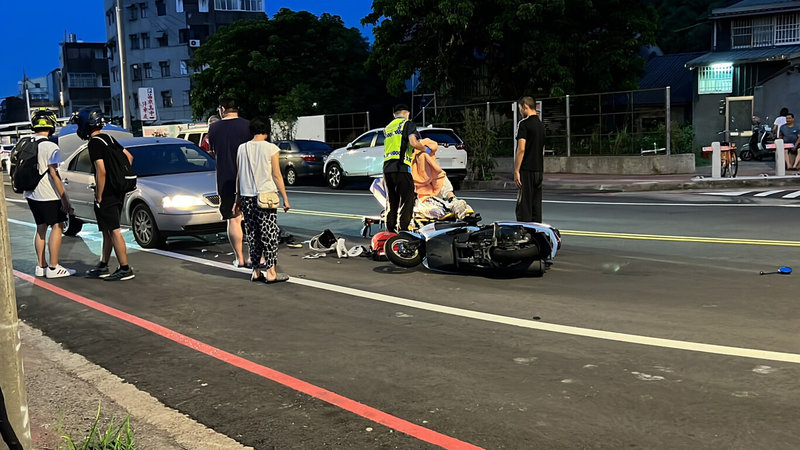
(794, 194)
(768, 193)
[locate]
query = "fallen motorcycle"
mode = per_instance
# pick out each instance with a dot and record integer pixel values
(523, 247)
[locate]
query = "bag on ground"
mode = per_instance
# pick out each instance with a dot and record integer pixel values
(121, 176)
(25, 174)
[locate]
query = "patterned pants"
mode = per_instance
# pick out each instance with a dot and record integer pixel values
(262, 232)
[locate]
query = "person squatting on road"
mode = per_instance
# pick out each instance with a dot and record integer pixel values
(259, 172)
(789, 132)
(224, 138)
(108, 203)
(48, 202)
(529, 163)
(401, 140)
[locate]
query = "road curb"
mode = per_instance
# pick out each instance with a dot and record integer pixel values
(641, 186)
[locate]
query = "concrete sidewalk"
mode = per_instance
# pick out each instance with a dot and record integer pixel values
(750, 174)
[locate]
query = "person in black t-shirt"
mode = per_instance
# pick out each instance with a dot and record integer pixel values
(224, 138)
(108, 203)
(529, 163)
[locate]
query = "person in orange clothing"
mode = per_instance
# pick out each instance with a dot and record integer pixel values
(431, 182)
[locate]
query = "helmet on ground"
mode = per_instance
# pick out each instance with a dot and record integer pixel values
(88, 120)
(379, 242)
(44, 119)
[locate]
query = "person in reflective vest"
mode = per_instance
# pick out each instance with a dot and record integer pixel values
(401, 140)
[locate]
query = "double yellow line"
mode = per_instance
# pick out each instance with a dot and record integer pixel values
(696, 239)
(604, 235)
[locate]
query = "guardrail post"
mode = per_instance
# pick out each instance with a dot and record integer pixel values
(14, 408)
(716, 160)
(669, 121)
(780, 158)
(488, 115)
(569, 134)
(423, 116)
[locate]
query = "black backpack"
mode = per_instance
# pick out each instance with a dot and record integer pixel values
(121, 177)
(24, 160)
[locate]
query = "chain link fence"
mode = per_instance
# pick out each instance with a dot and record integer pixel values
(609, 123)
(341, 129)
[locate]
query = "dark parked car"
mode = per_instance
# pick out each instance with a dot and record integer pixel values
(302, 159)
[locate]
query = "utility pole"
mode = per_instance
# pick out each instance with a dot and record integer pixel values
(14, 419)
(123, 69)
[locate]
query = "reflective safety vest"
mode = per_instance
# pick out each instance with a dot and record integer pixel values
(394, 142)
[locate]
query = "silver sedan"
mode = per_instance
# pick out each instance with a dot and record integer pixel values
(175, 194)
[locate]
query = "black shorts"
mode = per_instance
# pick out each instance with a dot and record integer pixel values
(108, 216)
(47, 212)
(226, 202)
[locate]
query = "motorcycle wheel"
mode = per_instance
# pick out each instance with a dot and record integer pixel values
(404, 251)
(746, 155)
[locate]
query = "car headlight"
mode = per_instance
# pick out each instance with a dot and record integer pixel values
(182, 202)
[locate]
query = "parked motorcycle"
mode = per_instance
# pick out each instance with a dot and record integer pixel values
(523, 247)
(757, 147)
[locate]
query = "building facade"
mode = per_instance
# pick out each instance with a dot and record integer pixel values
(160, 37)
(84, 77)
(753, 68)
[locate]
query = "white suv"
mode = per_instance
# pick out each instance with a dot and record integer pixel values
(364, 156)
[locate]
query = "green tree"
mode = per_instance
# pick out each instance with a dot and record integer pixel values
(511, 47)
(286, 64)
(683, 26)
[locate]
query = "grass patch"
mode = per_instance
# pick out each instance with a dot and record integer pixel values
(110, 437)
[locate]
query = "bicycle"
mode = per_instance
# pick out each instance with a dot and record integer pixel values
(729, 158)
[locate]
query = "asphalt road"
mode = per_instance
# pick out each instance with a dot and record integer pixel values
(653, 329)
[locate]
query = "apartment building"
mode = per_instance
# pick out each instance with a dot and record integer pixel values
(160, 38)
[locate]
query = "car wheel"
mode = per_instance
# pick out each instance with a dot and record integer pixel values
(291, 176)
(145, 230)
(72, 226)
(334, 176)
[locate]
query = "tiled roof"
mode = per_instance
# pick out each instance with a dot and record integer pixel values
(670, 70)
(752, 7)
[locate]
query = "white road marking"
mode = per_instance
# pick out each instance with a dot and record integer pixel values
(513, 321)
(510, 321)
(726, 194)
(794, 194)
(768, 193)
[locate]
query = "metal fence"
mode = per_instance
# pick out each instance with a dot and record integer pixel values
(609, 123)
(341, 129)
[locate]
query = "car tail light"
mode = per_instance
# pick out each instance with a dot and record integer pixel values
(311, 158)
(460, 147)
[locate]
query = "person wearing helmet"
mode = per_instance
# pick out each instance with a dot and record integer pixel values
(108, 204)
(401, 140)
(48, 202)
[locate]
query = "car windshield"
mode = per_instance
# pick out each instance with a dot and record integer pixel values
(441, 136)
(166, 159)
(311, 146)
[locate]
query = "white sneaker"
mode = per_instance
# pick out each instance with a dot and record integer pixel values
(341, 248)
(39, 272)
(59, 272)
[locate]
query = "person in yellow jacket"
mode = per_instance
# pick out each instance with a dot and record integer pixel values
(401, 140)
